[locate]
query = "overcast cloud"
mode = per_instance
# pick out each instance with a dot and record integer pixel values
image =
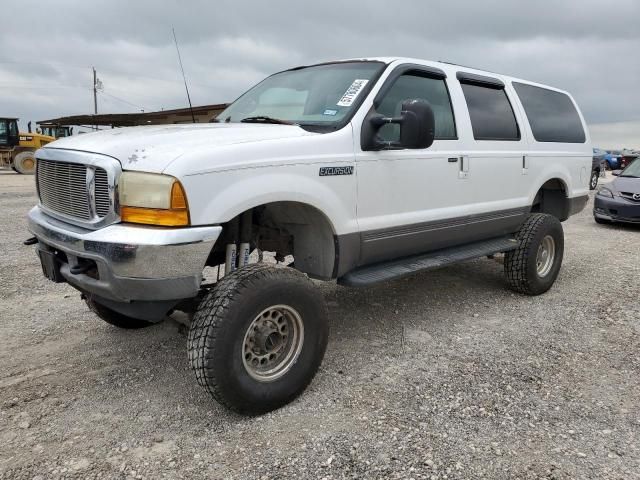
(588, 47)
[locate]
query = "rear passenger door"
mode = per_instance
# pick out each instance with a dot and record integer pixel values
(494, 161)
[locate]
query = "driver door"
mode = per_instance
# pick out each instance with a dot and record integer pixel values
(412, 201)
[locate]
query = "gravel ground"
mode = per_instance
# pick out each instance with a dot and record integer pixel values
(443, 375)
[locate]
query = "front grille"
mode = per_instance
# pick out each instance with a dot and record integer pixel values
(629, 196)
(62, 188)
(102, 193)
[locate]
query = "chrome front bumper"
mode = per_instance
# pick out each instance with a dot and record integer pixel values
(134, 263)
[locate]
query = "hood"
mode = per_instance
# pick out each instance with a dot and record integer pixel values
(153, 148)
(626, 184)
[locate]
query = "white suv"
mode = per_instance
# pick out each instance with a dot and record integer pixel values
(362, 170)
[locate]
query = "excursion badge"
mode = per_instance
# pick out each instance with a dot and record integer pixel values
(332, 171)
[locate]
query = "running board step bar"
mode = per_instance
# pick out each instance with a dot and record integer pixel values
(381, 272)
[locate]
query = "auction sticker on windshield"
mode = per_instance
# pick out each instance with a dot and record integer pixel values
(352, 93)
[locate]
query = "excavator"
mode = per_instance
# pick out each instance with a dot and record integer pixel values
(17, 149)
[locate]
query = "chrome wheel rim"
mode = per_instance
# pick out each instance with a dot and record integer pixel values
(546, 255)
(272, 343)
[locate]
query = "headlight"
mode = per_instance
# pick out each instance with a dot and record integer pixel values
(152, 199)
(605, 192)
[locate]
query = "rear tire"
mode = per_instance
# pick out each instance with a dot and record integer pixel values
(593, 182)
(533, 267)
(24, 163)
(258, 338)
(114, 318)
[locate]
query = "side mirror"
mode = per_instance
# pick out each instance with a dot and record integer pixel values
(417, 127)
(615, 172)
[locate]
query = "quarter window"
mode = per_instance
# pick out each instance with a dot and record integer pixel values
(551, 114)
(492, 117)
(415, 86)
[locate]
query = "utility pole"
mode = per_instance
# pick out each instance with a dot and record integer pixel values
(95, 94)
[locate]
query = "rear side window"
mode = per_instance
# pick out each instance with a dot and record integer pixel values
(551, 114)
(492, 117)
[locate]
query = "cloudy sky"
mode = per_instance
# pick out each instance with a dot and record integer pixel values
(47, 49)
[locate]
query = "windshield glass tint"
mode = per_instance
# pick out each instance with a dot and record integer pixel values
(317, 95)
(633, 170)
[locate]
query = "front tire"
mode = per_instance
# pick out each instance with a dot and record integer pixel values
(258, 338)
(24, 163)
(114, 318)
(533, 267)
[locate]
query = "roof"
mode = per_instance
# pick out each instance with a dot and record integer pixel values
(131, 119)
(447, 66)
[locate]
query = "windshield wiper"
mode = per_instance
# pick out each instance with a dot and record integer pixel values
(265, 119)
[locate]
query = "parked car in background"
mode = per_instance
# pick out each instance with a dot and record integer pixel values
(613, 159)
(626, 157)
(596, 167)
(619, 201)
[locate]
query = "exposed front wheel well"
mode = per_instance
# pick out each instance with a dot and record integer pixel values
(286, 228)
(552, 199)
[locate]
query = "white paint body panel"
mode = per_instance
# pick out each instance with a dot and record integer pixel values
(228, 168)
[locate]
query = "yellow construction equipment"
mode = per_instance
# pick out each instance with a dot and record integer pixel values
(17, 149)
(55, 130)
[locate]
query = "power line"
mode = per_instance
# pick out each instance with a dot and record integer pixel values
(123, 100)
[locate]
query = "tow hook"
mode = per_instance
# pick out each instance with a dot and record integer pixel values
(81, 268)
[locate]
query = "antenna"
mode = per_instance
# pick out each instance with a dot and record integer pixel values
(193, 118)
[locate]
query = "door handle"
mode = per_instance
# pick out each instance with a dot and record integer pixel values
(452, 159)
(464, 167)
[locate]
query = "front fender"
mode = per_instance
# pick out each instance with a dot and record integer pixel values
(218, 197)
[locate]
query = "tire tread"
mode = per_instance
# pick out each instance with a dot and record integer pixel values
(516, 261)
(210, 317)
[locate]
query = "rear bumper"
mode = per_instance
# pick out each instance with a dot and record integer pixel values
(616, 210)
(133, 263)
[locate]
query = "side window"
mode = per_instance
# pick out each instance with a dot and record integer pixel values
(413, 85)
(492, 117)
(13, 129)
(551, 114)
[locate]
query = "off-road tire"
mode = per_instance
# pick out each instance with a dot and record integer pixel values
(24, 163)
(218, 329)
(520, 265)
(114, 318)
(593, 181)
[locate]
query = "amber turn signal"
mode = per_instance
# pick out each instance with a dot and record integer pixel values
(177, 215)
(155, 216)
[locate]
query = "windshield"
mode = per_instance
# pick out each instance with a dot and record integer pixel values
(632, 170)
(320, 95)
